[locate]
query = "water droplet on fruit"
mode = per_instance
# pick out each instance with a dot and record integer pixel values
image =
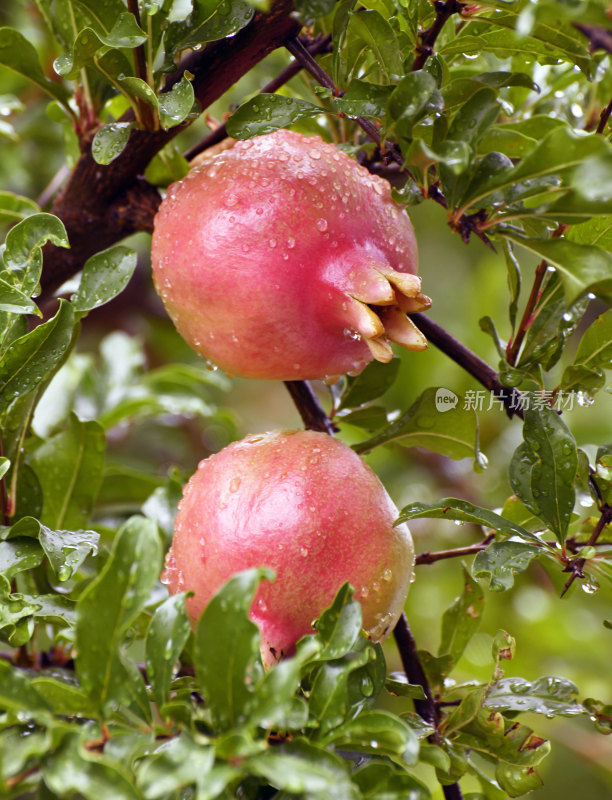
(303, 552)
(314, 154)
(387, 575)
(322, 224)
(272, 243)
(291, 243)
(231, 200)
(259, 211)
(364, 592)
(376, 586)
(234, 484)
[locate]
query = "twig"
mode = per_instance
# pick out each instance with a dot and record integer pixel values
(577, 566)
(604, 117)
(315, 47)
(426, 709)
(444, 11)
(513, 348)
(456, 552)
(306, 402)
(599, 38)
(389, 150)
(470, 362)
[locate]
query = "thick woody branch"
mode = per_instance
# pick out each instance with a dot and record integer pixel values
(94, 203)
(309, 408)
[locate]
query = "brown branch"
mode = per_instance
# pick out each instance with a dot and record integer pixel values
(426, 709)
(456, 552)
(319, 45)
(576, 567)
(100, 205)
(444, 11)
(604, 117)
(599, 38)
(514, 346)
(470, 362)
(309, 408)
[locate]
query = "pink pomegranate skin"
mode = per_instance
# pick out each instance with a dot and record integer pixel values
(305, 505)
(270, 256)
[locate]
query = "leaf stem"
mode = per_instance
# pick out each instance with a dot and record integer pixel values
(604, 117)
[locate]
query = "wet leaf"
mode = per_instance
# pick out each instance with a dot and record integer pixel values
(550, 696)
(370, 384)
(501, 560)
(462, 619)
(166, 637)
(105, 275)
(110, 141)
(266, 113)
(19, 55)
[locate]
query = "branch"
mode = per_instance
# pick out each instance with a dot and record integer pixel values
(426, 709)
(319, 45)
(470, 362)
(444, 11)
(599, 38)
(604, 117)
(101, 205)
(307, 404)
(456, 552)
(576, 567)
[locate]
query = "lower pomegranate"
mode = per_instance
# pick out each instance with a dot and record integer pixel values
(305, 505)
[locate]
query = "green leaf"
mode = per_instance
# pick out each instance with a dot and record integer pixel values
(302, 767)
(14, 301)
(339, 626)
(363, 99)
(69, 468)
(175, 105)
(74, 770)
(15, 207)
(107, 608)
(583, 267)
(19, 54)
(595, 348)
(274, 704)
(455, 156)
(462, 619)
(543, 468)
(173, 765)
(558, 152)
(209, 21)
(329, 699)
(503, 647)
(18, 694)
(110, 141)
(462, 511)
(19, 555)
(474, 117)
(268, 112)
(166, 637)
(465, 712)
(517, 781)
(601, 714)
(32, 359)
(452, 431)
(370, 384)
(409, 100)
(23, 243)
(506, 741)
(382, 781)
(378, 35)
(550, 696)
(501, 560)
(66, 550)
(378, 732)
(226, 655)
(105, 275)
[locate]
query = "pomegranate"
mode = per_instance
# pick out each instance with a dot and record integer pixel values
(305, 505)
(283, 258)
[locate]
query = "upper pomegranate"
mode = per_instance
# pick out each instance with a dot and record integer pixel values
(283, 258)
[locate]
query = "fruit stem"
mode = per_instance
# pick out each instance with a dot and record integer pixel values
(309, 408)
